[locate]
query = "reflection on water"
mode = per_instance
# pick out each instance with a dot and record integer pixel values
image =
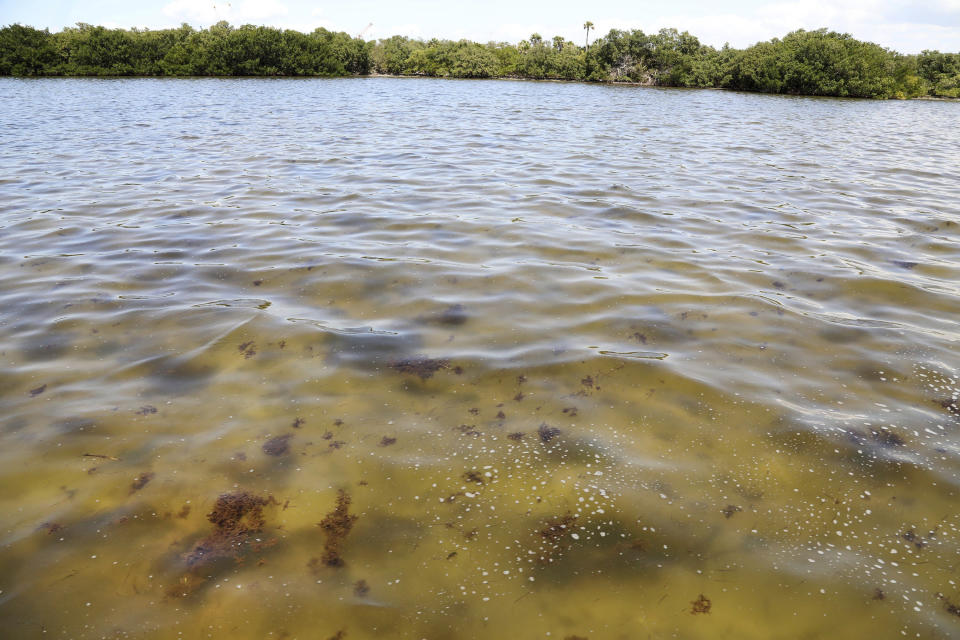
(440, 359)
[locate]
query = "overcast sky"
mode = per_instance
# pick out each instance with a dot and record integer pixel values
(905, 25)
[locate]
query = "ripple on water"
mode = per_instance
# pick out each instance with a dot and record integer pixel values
(692, 350)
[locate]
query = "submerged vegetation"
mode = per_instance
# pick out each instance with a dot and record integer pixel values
(817, 62)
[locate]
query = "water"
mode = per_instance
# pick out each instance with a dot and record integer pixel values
(585, 361)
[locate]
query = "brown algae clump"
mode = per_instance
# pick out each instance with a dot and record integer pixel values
(141, 481)
(361, 588)
(555, 536)
(336, 525)
(277, 445)
(701, 605)
(248, 349)
(556, 529)
(474, 476)
(730, 509)
(547, 433)
(424, 368)
(235, 518)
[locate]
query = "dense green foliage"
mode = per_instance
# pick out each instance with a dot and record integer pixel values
(221, 50)
(818, 62)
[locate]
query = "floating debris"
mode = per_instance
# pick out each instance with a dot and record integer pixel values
(298, 422)
(141, 481)
(336, 525)
(882, 437)
(468, 430)
(729, 510)
(950, 404)
(701, 605)
(474, 476)
(454, 315)
(886, 438)
(277, 445)
(51, 527)
(547, 433)
(146, 410)
(100, 456)
(905, 264)
(424, 368)
(38, 390)
(949, 607)
(236, 517)
(556, 529)
(386, 441)
(361, 588)
(248, 349)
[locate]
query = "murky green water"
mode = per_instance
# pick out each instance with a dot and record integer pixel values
(440, 359)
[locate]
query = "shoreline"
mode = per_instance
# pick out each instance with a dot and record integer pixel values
(802, 63)
(605, 83)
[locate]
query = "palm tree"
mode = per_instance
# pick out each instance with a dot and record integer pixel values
(588, 25)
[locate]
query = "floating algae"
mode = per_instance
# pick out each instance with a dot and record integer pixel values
(424, 368)
(361, 588)
(547, 433)
(336, 525)
(141, 481)
(236, 517)
(277, 445)
(701, 605)
(555, 536)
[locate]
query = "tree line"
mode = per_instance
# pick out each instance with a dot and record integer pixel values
(820, 62)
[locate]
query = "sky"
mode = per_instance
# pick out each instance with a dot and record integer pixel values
(908, 26)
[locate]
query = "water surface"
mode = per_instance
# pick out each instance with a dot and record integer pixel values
(572, 361)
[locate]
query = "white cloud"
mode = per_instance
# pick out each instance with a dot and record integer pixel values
(206, 13)
(258, 10)
(864, 19)
(190, 11)
(411, 30)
